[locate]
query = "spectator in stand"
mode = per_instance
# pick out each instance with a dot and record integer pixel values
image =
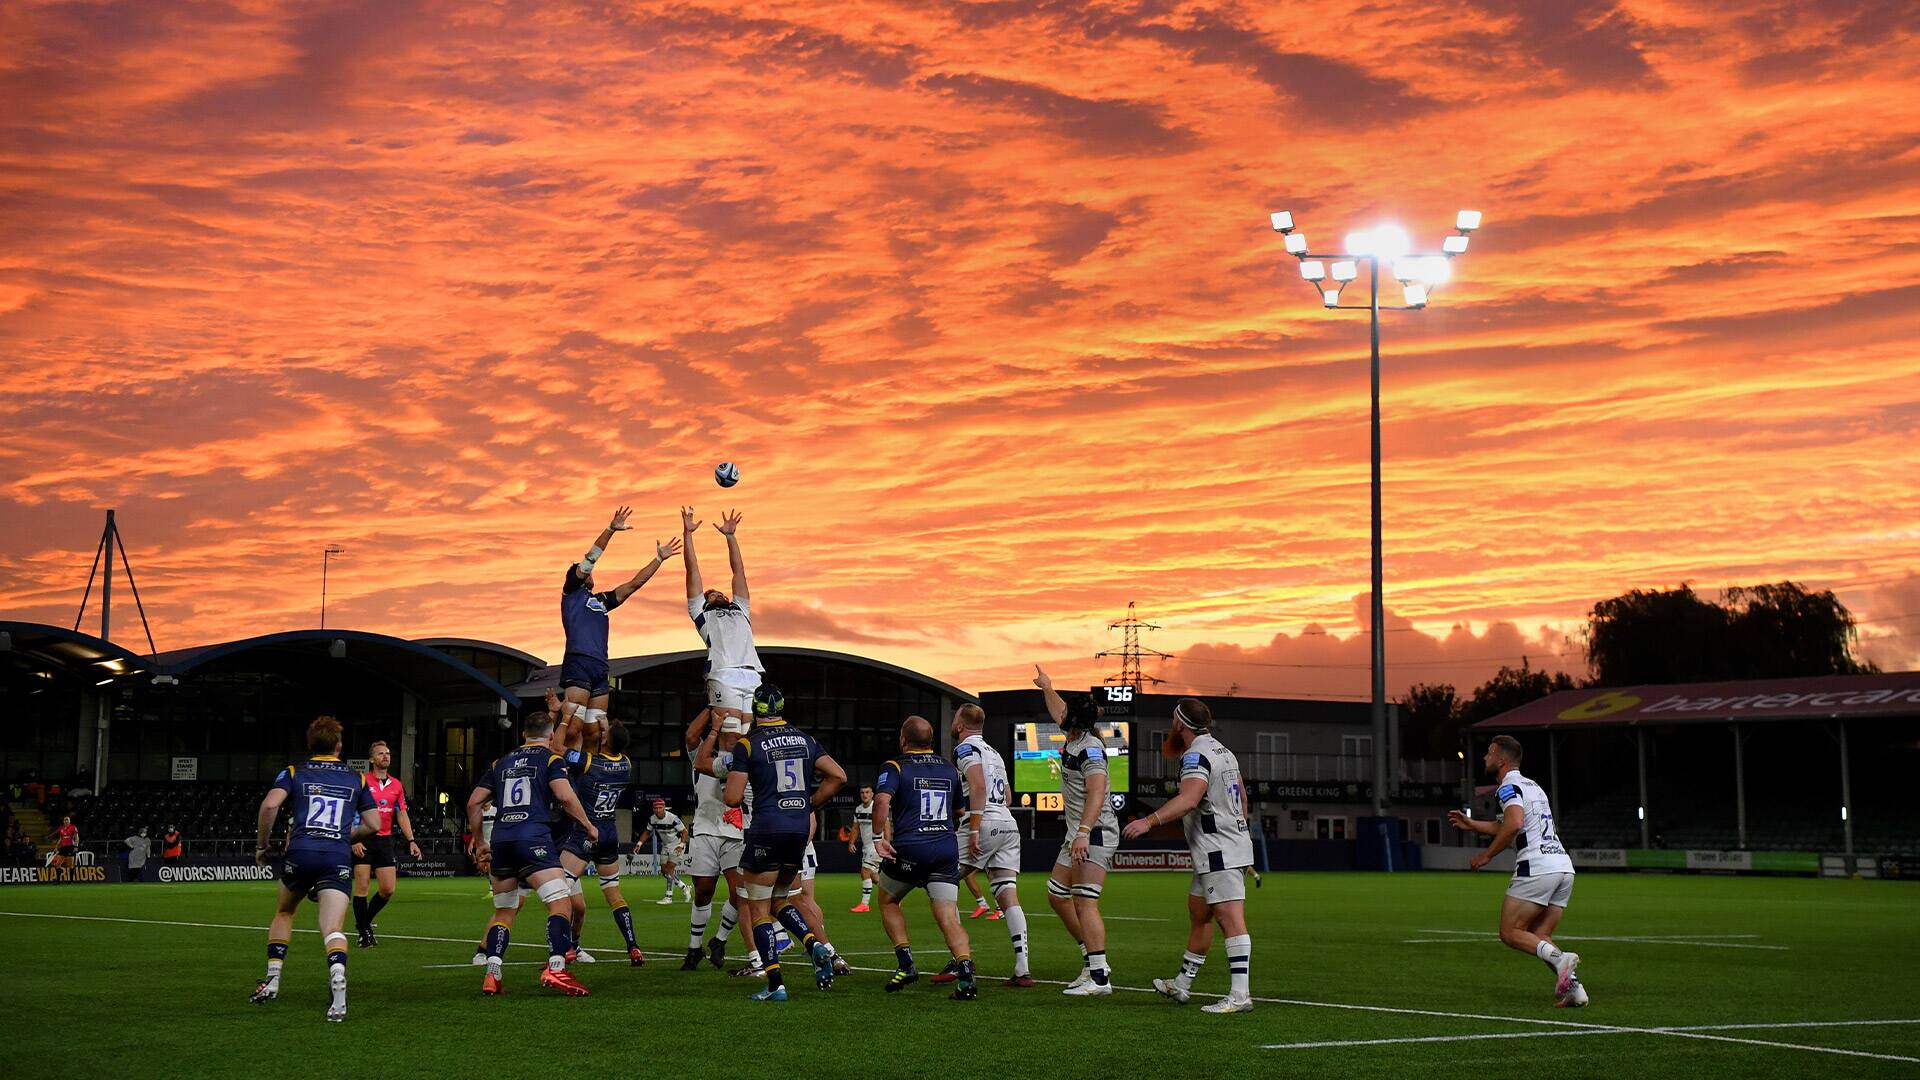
(66, 839)
(83, 782)
(172, 844)
(138, 848)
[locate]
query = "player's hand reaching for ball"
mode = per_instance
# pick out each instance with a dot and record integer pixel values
(553, 703)
(729, 521)
(687, 524)
(1041, 679)
(668, 550)
(620, 516)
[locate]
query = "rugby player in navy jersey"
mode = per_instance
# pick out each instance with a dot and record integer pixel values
(583, 614)
(914, 802)
(783, 764)
(330, 810)
(600, 776)
(525, 785)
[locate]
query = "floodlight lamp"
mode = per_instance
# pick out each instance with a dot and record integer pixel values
(1360, 243)
(1454, 245)
(1282, 220)
(1434, 269)
(1331, 297)
(1390, 241)
(1313, 269)
(1296, 244)
(1345, 270)
(1467, 220)
(1416, 294)
(1407, 269)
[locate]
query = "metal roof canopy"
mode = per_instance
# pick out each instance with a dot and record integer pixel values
(56, 650)
(1823, 697)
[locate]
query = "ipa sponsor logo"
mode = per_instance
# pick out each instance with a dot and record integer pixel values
(236, 872)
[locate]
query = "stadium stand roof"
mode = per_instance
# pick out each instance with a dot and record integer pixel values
(548, 678)
(55, 650)
(410, 663)
(484, 646)
(1826, 697)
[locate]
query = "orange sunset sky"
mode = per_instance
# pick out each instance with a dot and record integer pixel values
(983, 299)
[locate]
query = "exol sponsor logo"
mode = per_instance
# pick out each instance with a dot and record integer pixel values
(1153, 860)
(235, 872)
(1829, 699)
(51, 875)
(1600, 705)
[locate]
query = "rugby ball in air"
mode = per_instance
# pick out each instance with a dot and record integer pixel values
(726, 474)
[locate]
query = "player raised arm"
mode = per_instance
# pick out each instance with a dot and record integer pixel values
(661, 553)
(269, 809)
(1192, 790)
(730, 521)
(832, 779)
(565, 732)
(697, 731)
(688, 526)
(1056, 706)
(584, 568)
(1509, 827)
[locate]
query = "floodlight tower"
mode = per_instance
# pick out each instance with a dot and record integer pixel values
(1418, 274)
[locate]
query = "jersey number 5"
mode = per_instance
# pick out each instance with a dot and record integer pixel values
(791, 776)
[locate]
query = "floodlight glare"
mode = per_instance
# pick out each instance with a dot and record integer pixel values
(1467, 221)
(1313, 269)
(1433, 269)
(1390, 241)
(1454, 245)
(1282, 220)
(1416, 294)
(1360, 243)
(1345, 270)
(1296, 244)
(1408, 269)
(1331, 297)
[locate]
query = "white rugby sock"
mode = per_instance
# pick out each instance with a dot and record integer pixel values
(701, 913)
(1017, 929)
(729, 918)
(1097, 965)
(866, 890)
(1548, 952)
(1189, 970)
(1239, 963)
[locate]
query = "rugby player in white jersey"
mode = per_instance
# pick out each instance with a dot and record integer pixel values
(862, 845)
(989, 837)
(1542, 872)
(1086, 853)
(1211, 806)
(670, 846)
(724, 622)
(718, 832)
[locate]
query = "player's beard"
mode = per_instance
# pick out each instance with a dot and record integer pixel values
(1169, 749)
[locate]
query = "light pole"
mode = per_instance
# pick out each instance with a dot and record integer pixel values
(326, 554)
(1418, 275)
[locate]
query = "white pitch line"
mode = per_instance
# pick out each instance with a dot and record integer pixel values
(1698, 1031)
(1651, 937)
(1591, 1028)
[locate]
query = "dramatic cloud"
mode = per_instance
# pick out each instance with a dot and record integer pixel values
(982, 298)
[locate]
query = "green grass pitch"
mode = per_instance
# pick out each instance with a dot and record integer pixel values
(1398, 975)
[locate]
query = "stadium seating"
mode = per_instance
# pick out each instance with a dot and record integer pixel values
(201, 811)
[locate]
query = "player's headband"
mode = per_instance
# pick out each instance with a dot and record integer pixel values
(1180, 716)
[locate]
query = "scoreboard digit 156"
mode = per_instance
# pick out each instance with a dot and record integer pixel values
(1114, 700)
